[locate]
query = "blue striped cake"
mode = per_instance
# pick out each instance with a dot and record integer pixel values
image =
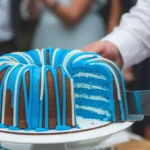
(48, 89)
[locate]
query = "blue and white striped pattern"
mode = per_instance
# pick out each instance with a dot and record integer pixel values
(94, 93)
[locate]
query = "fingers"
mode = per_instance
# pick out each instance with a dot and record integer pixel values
(106, 49)
(97, 47)
(88, 48)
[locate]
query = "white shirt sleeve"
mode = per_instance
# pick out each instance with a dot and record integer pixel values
(132, 36)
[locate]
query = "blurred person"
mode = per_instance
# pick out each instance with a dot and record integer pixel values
(9, 21)
(129, 43)
(73, 23)
(70, 23)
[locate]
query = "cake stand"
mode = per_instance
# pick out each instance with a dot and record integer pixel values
(92, 135)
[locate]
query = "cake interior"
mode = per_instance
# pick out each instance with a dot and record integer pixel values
(93, 93)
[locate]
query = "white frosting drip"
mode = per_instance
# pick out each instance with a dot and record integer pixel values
(89, 86)
(21, 54)
(10, 58)
(2, 57)
(82, 74)
(7, 62)
(53, 58)
(4, 93)
(42, 83)
(83, 56)
(72, 102)
(102, 58)
(116, 80)
(28, 56)
(96, 110)
(13, 59)
(69, 55)
(91, 97)
(72, 97)
(39, 53)
(15, 96)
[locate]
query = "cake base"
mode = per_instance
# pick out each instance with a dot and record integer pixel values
(56, 137)
(83, 125)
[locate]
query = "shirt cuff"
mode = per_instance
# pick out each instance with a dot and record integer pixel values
(128, 46)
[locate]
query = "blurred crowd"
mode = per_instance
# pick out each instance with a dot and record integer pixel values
(70, 24)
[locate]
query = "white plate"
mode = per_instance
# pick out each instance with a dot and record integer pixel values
(64, 137)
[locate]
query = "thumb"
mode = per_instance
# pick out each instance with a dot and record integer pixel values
(97, 47)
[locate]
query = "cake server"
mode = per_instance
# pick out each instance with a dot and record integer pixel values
(138, 104)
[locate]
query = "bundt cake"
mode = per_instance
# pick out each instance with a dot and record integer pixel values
(47, 89)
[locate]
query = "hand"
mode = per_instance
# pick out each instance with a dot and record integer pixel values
(107, 50)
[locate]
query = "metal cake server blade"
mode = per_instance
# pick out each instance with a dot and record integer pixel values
(138, 103)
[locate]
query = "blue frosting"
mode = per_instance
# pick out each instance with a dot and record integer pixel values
(34, 55)
(123, 84)
(35, 103)
(120, 100)
(34, 106)
(70, 62)
(108, 94)
(3, 126)
(30, 97)
(17, 57)
(26, 98)
(92, 115)
(27, 129)
(13, 128)
(94, 103)
(41, 113)
(64, 97)
(41, 129)
(12, 79)
(124, 94)
(59, 57)
(63, 127)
